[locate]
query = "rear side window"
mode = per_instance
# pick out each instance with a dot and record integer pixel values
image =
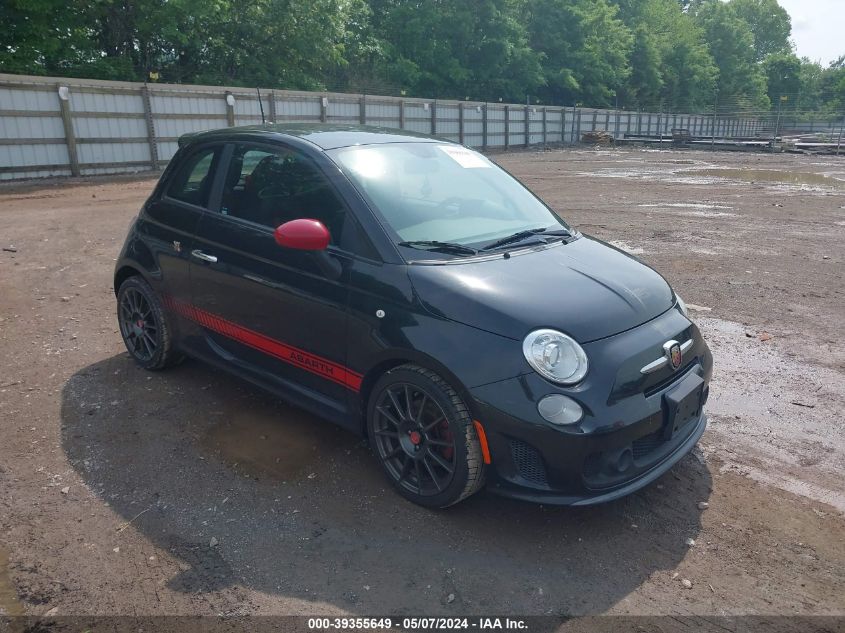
(193, 179)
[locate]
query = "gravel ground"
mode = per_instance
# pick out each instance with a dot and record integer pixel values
(189, 492)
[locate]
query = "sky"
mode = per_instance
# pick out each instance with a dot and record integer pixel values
(817, 28)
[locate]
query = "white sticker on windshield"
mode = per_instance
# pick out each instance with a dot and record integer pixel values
(464, 157)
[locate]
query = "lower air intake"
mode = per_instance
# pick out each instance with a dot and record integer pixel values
(647, 444)
(528, 462)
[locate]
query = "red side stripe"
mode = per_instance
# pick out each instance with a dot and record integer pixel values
(287, 353)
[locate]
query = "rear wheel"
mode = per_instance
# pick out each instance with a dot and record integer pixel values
(144, 325)
(424, 438)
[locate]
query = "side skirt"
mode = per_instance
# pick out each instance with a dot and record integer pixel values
(307, 399)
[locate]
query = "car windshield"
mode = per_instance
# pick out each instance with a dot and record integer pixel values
(442, 193)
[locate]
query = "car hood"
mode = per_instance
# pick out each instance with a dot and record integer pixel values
(586, 289)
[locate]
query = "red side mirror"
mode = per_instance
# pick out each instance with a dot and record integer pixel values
(303, 234)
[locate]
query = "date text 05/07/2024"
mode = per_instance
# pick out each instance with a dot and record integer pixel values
(417, 624)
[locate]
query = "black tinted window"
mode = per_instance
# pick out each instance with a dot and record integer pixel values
(193, 179)
(271, 187)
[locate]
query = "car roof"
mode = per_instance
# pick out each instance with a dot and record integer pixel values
(324, 136)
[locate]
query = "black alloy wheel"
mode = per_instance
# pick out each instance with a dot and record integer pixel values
(144, 325)
(424, 437)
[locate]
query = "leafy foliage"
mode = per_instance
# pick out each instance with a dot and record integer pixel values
(741, 83)
(770, 25)
(585, 49)
(649, 54)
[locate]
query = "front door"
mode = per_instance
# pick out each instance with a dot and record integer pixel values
(270, 311)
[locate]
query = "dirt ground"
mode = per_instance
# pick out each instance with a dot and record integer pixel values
(189, 492)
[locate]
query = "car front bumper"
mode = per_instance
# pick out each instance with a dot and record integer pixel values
(633, 431)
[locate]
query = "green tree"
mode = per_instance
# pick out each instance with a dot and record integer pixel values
(585, 49)
(645, 84)
(810, 78)
(453, 48)
(671, 64)
(769, 23)
(242, 42)
(783, 78)
(741, 83)
(42, 37)
(832, 88)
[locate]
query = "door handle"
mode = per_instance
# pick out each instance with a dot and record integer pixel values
(204, 257)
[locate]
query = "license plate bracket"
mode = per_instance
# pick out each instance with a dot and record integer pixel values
(682, 404)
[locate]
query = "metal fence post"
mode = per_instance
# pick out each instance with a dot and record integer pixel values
(362, 110)
(507, 127)
(230, 108)
(577, 137)
(713, 125)
(461, 122)
(324, 107)
(545, 127)
(616, 128)
(402, 115)
(434, 118)
(484, 127)
(527, 125)
(63, 93)
(151, 133)
(272, 109)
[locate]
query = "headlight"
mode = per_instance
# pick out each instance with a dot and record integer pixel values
(555, 356)
(681, 305)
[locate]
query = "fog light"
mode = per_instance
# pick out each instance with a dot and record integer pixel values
(559, 409)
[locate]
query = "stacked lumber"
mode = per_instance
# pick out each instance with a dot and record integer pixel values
(599, 137)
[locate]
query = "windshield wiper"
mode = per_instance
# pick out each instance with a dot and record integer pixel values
(436, 245)
(521, 235)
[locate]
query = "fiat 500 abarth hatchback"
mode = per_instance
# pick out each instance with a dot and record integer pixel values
(409, 289)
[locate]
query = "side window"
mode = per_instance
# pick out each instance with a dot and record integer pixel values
(193, 179)
(273, 186)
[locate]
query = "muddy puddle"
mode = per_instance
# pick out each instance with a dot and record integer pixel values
(277, 442)
(770, 176)
(10, 604)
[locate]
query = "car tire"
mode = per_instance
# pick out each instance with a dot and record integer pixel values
(414, 448)
(145, 327)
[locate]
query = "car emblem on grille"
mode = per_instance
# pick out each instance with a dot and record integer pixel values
(673, 352)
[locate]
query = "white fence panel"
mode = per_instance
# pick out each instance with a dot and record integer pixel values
(107, 126)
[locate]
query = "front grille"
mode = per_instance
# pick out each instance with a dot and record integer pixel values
(646, 444)
(528, 462)
(672, 379)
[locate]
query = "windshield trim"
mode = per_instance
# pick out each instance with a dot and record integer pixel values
(485, 256)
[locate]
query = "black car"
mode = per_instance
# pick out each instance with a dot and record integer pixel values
(409, 289)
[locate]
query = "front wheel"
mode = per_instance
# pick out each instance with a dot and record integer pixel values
(424, 438)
